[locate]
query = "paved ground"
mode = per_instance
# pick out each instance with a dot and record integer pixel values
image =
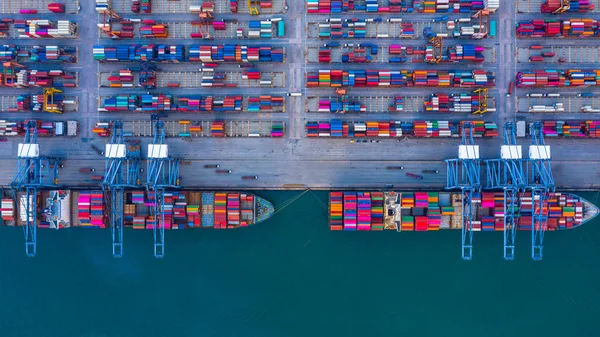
(295, 159)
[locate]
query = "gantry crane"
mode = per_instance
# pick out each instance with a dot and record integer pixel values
(482, 94)
(106, 24)
(8, 71)
(541, 183)
(253, 6)
(162, 173)
(122, 171)
(206, 19)
(48, 104)
(464, 173)
(484, 21)
(34, 172)
(438, 49)
(508, 174)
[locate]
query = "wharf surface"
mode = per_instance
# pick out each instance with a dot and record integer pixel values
(295, 161)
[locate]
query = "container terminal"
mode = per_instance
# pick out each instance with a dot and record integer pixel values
(105, 108)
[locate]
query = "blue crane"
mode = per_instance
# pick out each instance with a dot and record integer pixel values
(541, 183)
(464, 173)
(508, 174)
(34, 172)
(162, 174)
(122, 171)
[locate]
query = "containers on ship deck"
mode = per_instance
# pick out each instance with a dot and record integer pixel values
(425, 211)
(574, 6)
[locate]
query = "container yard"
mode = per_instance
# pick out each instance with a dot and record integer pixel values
(397, 53)
(420, 129)
(134, 28)
(38, 29)
(395, 28)
(564, 103)
(399, 6)
(260, 7)
(435, 103)
(559, 54)
(195, 128)
(555, 7)
(39, 7)
(35, 103)
(192, 79)
(191, 103)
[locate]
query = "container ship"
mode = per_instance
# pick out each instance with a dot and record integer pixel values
(428, 211)
(183, 209)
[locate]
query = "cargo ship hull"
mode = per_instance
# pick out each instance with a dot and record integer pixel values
(427, 211)
(182, 209)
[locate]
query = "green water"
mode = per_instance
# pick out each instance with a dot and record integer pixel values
(292, 277)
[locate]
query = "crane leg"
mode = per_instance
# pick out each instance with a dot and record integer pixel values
(510, 223)
(117, 199)
(159, 227)
(467, 225)
(30, 228)
(538, 226)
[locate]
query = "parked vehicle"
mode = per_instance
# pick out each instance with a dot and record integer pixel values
(97, 177)
(414, 176)
(185, 162)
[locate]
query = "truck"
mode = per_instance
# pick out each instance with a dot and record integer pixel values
(521, 129)
(59, 128)
(511, 87)
(97, 177)
(212, 166)
(249, 177)
(87, 169)
(395, 167)
(223, 171)
(414, 176)
(72, 128)
(97, 150)
(185, 162)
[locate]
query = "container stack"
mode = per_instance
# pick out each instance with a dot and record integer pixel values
(364, 211)
(233, 210)
(558, 78)
(97, 211)
(122, 79)
(235, 53)
(265, 103)
(157, 102)
(154, 30)
(574, 6)
(220, 210)
(103, 5)
(121, 103)
(377, 211)
(217, 129)
(452, 103)
(277, 129)
(572, 28)
(146, 6)
(335, 211)
(350, 211)
(208, 204)
(83, 208)
(10, 129)
(7, 210)
(56, 8)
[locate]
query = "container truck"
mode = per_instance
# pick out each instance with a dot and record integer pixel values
(249, 177)
(87, 169)
(223, 171)
(212, 166)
